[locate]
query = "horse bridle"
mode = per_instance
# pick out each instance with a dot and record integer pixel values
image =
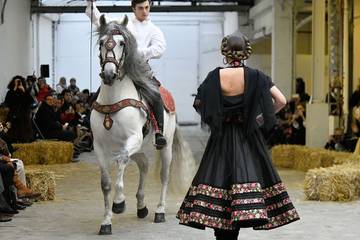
(109, 46)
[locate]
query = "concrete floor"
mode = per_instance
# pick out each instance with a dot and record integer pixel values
(77, 211)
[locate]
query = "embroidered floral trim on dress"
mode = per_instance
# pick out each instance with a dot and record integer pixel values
(245, 188)
(274, 190)
(239, 196)
(209, 191)
(212, 206)
(244, 215)
(278, 205)
(279, 220)
(247, 201)
(205, 220)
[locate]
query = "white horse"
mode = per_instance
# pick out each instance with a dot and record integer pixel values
(118, 118)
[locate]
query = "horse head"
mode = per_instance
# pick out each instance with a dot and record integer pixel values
(115, 45)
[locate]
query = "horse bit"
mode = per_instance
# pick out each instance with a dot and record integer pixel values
(109, 46)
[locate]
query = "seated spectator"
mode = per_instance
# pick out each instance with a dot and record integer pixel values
(86, 98)
(67, 110)
(49, 124)
(44, 89)
(19, 102)
(61, 86)
(6, 177)
(6, 211)
(72, 87)
(84, 138)
(19, 179)
(336, 141)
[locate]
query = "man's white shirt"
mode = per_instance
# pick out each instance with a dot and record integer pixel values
(150, 40)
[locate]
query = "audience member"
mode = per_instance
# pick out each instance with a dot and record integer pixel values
(61, 85)
(19, 102)
(33, 88)
(72, 87)
(49, 124)
(67, 110)
(300, 89)
(44, 89)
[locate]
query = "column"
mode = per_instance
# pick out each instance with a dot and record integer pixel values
(231, 22)
(282, 46)
(317, 120)
(319, 84)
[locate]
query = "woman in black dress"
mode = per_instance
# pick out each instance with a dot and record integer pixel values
(19, 101)
(236, 184)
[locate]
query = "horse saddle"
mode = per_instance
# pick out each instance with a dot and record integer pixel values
(168, 100)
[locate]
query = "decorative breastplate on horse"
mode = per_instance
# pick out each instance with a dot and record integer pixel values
(113, 108)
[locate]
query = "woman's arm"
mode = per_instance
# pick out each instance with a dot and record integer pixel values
(279, 98)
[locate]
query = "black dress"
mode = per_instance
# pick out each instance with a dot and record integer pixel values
(19, 116)
(236, 184)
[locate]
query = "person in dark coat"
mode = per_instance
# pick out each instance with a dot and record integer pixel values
(49, 123)
(19, 102)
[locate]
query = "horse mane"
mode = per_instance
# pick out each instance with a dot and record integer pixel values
(134, 66)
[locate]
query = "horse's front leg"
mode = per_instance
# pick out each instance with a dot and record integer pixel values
(104, 163)
(166, 157)
(143, 165)
(119, 198)
(133, 144)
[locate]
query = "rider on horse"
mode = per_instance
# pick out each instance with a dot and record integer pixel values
(151, 44)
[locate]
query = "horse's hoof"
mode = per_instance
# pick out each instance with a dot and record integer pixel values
(159, 217)
(105, 230)
(141, 213)
(118, 207)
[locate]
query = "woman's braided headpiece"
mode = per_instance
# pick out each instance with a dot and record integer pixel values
(236, 47)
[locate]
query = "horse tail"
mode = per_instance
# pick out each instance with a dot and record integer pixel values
(183, 165)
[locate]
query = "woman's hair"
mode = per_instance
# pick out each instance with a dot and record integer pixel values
(11, 84)
(236, 47)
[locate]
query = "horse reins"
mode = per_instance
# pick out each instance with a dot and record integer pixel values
(110, 44)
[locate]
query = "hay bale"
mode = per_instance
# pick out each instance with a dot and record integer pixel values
(337, 183)
(304, 158)
(283, 156)
(44, 152)
(43, 182)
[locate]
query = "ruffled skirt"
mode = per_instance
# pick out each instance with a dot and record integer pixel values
(237, 186)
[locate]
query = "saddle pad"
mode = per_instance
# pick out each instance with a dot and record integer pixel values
(168, 100)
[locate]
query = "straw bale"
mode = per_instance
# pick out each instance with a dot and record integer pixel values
(44, 152)
(304, 158)
(337, 183)
(283, 155)
(42, 181)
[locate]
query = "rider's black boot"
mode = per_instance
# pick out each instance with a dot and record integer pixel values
(158, 109)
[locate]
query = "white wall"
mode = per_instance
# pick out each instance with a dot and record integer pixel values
(45, 44)
(193, 50)
(15, 43)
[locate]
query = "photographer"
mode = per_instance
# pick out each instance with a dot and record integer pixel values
(19, 102)
(32, 88)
